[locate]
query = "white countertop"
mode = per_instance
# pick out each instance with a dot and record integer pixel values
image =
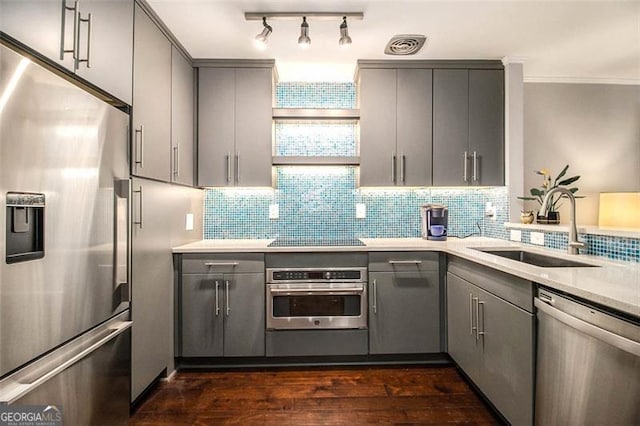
(613, 284)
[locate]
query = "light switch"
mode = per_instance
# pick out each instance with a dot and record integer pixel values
(189, 222)
(274, 211)
(537, 238)
(361, 211)
(515, 235)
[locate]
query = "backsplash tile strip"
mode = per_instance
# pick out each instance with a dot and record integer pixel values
(319, 201)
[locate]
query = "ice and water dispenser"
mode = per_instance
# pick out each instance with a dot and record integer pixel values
(24, 231)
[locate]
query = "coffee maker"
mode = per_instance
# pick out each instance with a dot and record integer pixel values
(435, 218)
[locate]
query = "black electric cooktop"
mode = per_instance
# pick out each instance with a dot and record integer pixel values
(309, 242)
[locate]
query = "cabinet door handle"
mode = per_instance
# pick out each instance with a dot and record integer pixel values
(140, 203)
(140, 132)
(477, 303)
(480, 331)
(228, 303)
(217, 300)
(176, 161)
(238, 167)
(393, 167)
(475, 166)
(375, 297)
(471, 328)
(228, 167)
(472, 301)
(87, 59)
(63, 20)
(402, 167)
(465, 176)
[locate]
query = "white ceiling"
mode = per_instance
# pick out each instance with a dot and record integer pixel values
(580, 41)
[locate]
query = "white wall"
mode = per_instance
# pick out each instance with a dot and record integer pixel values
(595, 128)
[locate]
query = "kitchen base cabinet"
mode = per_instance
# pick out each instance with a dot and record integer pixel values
(492, 340)
(404, 303)
(158, 224)
(221, 306)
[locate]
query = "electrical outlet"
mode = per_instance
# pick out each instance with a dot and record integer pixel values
(361, 211)
(274, 211)
(490, 210)
(515, 235)
(537, 238)
(189, 222)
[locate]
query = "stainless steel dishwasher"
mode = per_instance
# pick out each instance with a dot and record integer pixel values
(588, 365)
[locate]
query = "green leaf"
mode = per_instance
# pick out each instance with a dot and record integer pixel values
(527, 198)
(562, 173)
(573, 190)
(537, 192)
(568, 181)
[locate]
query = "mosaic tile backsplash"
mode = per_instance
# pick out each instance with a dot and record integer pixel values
(326, 138)
(296, 94)
(320, 201)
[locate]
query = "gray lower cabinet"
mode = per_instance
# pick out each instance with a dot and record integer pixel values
(468, 127)
(158, 215)
(151, 118)
(235, 126)
(404, 303)
(99, 48)
(395, 126)
(182, 119)
(221, 312)
(492, 341)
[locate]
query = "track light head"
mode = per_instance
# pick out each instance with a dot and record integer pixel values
(262, 38)
(304, 40)
(345, 40)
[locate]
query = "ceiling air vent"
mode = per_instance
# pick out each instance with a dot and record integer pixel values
(405, 44)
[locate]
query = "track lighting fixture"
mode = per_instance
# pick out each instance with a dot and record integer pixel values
(261, 39)
(304, 40)
(345, 40)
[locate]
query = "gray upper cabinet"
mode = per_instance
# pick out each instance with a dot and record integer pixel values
(395, 126)
(486, 126)
(151, 132)
(182, 119)
(404, 303)
(234, 126)
(468, 127)
(103, 51)
(492, 340)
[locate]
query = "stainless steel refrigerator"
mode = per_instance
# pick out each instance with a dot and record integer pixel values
(64, 248)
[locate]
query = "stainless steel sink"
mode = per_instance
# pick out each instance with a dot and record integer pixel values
(536, 259)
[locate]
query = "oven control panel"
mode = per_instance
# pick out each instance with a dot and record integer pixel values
(317, 275)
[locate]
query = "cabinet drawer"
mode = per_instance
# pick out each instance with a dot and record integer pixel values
(513, 289)
(222, 263)
(402, 261)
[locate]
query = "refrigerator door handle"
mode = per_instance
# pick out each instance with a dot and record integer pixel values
(20, 389)
(122, 232)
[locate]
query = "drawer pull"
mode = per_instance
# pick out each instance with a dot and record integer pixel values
(405, 262)
(211, 264)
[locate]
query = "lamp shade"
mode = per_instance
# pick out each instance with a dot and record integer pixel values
(619, 210)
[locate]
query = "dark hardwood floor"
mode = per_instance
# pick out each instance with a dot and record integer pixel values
(323, 396)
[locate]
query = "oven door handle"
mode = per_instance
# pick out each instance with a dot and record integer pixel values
(349, 290)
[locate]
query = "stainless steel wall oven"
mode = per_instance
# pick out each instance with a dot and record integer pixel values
(316, 298)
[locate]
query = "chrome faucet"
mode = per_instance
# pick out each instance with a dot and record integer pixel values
(574, 244)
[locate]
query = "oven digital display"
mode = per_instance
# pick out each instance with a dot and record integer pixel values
(316, 275)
